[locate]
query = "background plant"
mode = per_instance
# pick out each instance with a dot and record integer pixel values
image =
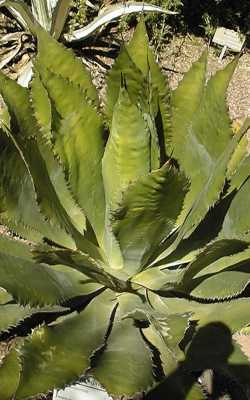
(52, 16)
(132, 230)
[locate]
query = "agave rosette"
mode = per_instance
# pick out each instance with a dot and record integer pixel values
(134, 217)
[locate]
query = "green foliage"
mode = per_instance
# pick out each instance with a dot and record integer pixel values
(138, 240)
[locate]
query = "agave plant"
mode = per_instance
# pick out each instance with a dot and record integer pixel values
(137, 233)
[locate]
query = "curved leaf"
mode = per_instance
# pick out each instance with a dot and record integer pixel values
(241, 174)
(205, 121)
(42, 111)
(60, 14)
(32, 283)
(80, 262)
(32, 155)
(126, 156)
(123, 67)
(109, 14)
(124, 346)
(237, 220)
(142, 74)
(22, 13)
(61, 61)
(216, 252)
(148, 213)
(60, 353)
(9, 375)
(77, 140)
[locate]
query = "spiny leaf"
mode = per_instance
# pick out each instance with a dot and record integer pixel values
(60, 353)
(239, 166)
(31, 153)
(234, 314)
(213, 253)
(81, 262)
(221, 261)
(165, 334)
(42, 110)
(241, 174)
(32, 283)
(60, 14)
(126, 158)
(77, 140)
(127, 151)
(14, 315)
(148, 213)
(124, 346)
(155, 279)
(137, 64)
(237, 221)
(18, 206)
(206, 197)
(205, 121)
(9, 374)
(123, 67)
(58, 59)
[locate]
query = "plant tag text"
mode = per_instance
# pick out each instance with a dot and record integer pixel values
(229, 38)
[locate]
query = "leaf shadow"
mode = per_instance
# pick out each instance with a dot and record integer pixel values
(209, 350)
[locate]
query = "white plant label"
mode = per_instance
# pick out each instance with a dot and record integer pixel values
(81, 391)
(228, 38)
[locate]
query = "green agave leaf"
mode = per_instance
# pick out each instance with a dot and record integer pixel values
(32, 155)
(213, 287)
(41, 106)
(81, 262)
(12, 314)
(234, 314)
(60, 353)
(206, 232)
(165, 334)
(81, 151)
(123, 67)
(206, 197)
(241, 174)
(239, 166)
(238, 157)
(137, 64)
(9, 375)
(184, 111)
(148, 213)
(126, 156)
(54, 56)
(155, 279)
(5, 297)
(32, 283)
(237, 220)
(205, 121)
(231, 316)
(18, 207)
(218, 252)
(143, 57)
(124, 346)
(222, 261)
(42, 111)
